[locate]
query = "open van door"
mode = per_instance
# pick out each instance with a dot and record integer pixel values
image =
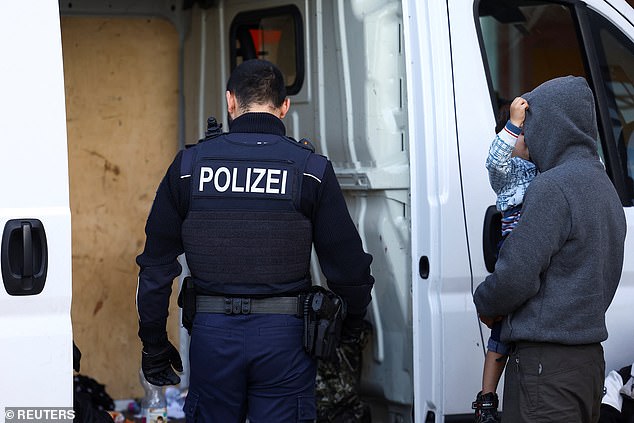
(465, 59)
(35, 296)
(525, 43)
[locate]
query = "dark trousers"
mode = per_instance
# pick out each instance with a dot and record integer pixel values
(250, 366)
(553, 383)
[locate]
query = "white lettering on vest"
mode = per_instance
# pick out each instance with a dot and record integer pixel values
(260, 174)
(206, 175)
(256, 180)
(225, 171)
(234, 182)
(270, 180)
(284, 182)
(247, 187)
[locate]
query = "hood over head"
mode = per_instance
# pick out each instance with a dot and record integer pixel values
(560, 122)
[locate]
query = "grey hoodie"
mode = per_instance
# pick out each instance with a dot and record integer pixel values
(558, 270)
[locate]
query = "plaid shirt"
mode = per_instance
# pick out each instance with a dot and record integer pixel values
(509, 176)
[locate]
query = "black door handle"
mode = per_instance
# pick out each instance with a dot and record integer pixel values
(491, 237)
(27, 269)
(24, 256)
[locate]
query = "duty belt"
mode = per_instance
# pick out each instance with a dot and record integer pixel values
(235, 305)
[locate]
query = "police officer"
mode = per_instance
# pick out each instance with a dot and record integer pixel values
(245, 207)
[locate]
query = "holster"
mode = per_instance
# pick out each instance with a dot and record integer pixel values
(187, 301)
(324, 312)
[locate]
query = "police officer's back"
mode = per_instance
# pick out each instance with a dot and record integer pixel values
(246, 207)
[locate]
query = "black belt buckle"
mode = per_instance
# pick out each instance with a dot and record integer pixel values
(246, 305)
(237, 305)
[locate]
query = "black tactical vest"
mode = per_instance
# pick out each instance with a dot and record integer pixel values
(244, 233)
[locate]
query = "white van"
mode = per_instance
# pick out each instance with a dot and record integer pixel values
(35, 297)
(402, 96)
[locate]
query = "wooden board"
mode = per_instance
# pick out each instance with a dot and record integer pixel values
(121, 79)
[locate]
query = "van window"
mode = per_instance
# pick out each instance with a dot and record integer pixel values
(615, 54)
(275, 35)
(528, 42)
(528, 45)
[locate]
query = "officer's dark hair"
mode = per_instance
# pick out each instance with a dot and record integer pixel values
(257, 81)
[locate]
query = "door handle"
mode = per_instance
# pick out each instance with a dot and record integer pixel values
(491, 237)
(24, 257)
(27, 269)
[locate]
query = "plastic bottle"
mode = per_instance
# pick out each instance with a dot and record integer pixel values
(153, 404)
(175, 402)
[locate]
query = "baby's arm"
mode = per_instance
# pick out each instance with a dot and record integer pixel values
(498, 162)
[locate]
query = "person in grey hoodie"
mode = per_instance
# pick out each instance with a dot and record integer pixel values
(558, 270)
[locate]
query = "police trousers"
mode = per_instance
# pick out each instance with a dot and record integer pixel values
(249, 366)
(546, 382)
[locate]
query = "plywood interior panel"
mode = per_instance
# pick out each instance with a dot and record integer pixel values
(121, 79)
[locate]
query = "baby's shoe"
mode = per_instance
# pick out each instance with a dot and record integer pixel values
(486, 408)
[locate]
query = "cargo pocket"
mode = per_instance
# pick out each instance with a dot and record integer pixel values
(191, 407)
(306, 409)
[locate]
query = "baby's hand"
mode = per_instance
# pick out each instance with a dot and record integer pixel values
(518, 111)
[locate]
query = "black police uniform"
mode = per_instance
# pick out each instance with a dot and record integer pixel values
(245, 207)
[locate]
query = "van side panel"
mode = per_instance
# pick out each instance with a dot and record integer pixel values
(360, 107)
(35, 335)
(618, 346)
(475, 131)
(447, 343)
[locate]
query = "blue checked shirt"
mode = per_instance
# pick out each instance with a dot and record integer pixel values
(509, 176)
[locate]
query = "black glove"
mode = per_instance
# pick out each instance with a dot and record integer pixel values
(157, 361)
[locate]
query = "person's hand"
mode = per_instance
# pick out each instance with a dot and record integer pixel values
(518, 111)
(159, 361)
(489, 321)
